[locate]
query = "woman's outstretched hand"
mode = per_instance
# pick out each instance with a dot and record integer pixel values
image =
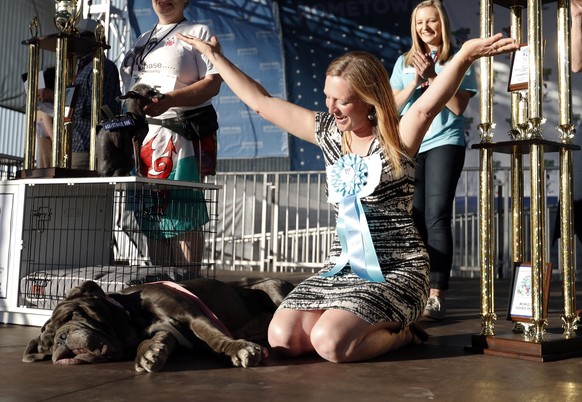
(204, 47)
(497, 44)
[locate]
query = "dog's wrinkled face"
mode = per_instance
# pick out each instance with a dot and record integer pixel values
(87, 327)
(139, 96)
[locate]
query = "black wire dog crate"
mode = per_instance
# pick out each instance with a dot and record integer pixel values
(115, 231)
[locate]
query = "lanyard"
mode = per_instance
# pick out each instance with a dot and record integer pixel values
(150, 45)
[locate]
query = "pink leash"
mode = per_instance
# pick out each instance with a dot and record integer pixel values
(207, 312)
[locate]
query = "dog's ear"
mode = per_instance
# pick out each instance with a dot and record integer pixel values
(128, 95)
(33, 352)
(86, 289)
(41, 347)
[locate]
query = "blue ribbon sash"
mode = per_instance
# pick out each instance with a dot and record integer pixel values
(348, 178)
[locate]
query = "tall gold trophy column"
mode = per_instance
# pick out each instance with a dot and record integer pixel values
(566, 133)
(61, 130)
(31, 95)
(66, 16)
(536, 165)
(97, 92)
(487, 246)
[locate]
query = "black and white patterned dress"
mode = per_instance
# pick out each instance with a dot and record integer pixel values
(401, 253)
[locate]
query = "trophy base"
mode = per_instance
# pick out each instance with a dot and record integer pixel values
(54, 173)
(553, 347)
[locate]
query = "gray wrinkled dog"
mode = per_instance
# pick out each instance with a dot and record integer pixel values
(148, 322)
(120, 138)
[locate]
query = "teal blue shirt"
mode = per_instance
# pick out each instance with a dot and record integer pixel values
(447, 128)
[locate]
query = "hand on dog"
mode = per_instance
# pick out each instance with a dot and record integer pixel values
(157, 106)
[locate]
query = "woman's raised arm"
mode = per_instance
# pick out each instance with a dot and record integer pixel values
(294, 119)
(416, 121)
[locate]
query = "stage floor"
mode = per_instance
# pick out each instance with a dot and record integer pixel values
(440, 370)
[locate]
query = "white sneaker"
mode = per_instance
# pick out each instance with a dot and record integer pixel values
(435, 308)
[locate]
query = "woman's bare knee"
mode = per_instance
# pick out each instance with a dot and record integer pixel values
(327, 346)
(289, 331)
(283, 338)
(277, 337)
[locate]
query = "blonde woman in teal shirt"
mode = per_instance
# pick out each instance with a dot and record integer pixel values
(441, 156)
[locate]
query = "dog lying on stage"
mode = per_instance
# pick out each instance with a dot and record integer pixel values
(147, 322)
(120, 138)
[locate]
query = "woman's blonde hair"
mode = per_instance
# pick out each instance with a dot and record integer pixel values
(445, 50)
(370, 83)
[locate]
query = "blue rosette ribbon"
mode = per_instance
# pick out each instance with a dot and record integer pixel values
(348, 176)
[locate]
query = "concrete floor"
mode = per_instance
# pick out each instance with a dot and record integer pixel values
(440, 370)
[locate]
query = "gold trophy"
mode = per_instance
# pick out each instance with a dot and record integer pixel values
(69, 45)
(536, 343)
(66, 16)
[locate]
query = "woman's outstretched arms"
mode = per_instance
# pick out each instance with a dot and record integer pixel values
(286, 115)
(416, 121)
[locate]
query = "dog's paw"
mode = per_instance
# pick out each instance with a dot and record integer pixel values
(250, 355)
(35, 357)
(152, 356)
(153, 359)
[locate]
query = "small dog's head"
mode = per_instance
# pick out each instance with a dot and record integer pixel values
(139, 96)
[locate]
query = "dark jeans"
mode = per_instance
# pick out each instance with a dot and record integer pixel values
(437, 173)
